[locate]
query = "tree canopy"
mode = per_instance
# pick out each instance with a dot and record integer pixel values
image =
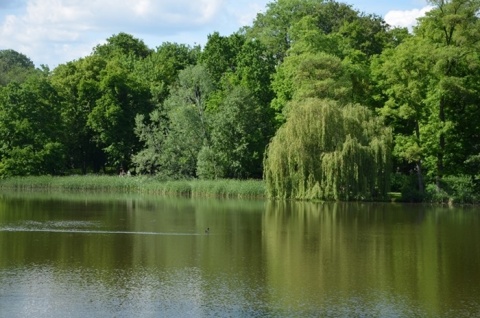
(328, 152)
(321, 100)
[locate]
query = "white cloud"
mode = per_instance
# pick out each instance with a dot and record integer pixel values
(247, 14)
(406, 18)
(56, 31)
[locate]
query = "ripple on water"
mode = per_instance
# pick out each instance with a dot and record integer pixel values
(48, 291)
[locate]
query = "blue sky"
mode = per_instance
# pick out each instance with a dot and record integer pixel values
(52, 32)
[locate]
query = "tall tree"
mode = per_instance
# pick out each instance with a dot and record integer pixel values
(241, 101)
(429, 80)
(272, 28)
(124, 44)
(78, 87)
(112, 119)
(328, 152)
(30, 129)
(14, 67)
(160, 69)
(219, 55)
(404, 74)
(452, 29)
(181, 126)
(238, 138)
(312, 68)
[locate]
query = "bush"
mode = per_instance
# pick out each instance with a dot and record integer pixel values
(453, 189)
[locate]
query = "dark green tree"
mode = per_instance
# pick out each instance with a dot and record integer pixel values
(244, 91)
(238, 138)
(123, 44)
(452, 29)
(160, 69)
(14, 67)
(30, 129)
(78, 87)
(219, 55)
(112, 120)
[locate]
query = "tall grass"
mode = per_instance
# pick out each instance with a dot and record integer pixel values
(140, 184)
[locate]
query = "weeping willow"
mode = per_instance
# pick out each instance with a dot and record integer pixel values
(325, 151)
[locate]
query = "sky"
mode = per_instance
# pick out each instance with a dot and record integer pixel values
(53, 32)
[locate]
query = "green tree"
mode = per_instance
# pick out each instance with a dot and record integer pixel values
(30, 126)
(112, 119)
(123, 44)
(404, 74)
(152, 133)
(78, 87)
(430, 83)
(160, 69)
(241, 118)
(328, 152)
(312, 68)
(219, 55)
(273, 28)
(237, 139)
(160, 72)
(179, 129)
(14, 67)
(452, 29)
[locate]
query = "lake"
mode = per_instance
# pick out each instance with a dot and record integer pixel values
(106, 255)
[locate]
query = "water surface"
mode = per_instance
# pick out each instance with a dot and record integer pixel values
(79, 255)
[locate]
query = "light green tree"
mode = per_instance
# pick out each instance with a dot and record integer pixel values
(181, 127)
(328, 152)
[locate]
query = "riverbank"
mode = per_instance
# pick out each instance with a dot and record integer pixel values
(239, 189)
(223, 188)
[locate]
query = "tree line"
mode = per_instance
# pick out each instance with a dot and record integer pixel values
(317, 98)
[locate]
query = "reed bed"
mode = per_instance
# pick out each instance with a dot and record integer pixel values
(223, 188)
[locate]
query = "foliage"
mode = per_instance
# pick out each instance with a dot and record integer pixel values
(410, 191)
(295, 74)
(220, 54)
(325, 151)
(179, 128)
(272, 28)
(14, 67)
(454, 189)
(429, 83)
(159, 70)
(77, 84)
(112, 119)
(29, 129)
(123, 44)
(237, 137)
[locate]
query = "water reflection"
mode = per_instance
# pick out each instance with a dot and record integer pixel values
(428, 257)
(80, 255)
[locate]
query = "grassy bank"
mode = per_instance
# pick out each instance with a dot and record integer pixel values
(147, 185)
